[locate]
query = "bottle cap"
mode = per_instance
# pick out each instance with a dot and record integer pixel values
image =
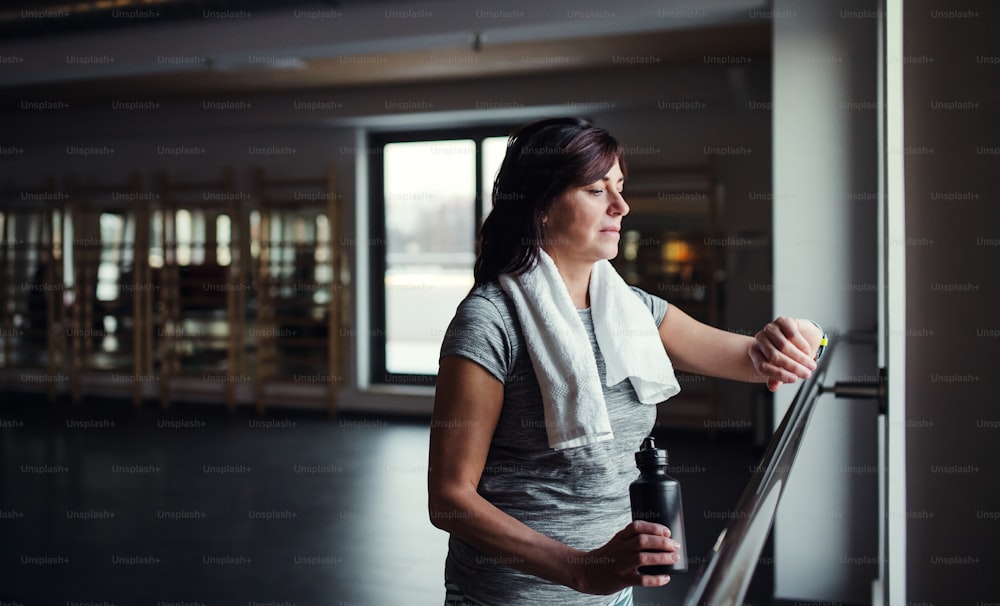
(649, 455)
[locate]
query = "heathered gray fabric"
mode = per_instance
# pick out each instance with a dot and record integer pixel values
(578, 496)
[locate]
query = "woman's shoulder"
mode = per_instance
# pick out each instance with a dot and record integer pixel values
(487, 296)
(488, 310)
(485, 308)
(657, 305)
(484, 330)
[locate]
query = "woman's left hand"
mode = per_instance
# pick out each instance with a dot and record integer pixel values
(785, 350)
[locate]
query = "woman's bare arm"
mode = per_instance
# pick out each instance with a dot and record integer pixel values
(782, 352)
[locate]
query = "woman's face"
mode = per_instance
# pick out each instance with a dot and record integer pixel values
(583, 224)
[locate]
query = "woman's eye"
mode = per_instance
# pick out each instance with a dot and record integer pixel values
(597, 192)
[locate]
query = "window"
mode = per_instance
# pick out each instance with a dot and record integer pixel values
(430, 192)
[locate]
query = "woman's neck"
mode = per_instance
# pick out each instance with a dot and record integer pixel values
(577, 280)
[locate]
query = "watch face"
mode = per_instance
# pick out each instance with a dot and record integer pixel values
(822, 346)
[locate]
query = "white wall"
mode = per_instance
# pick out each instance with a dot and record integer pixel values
(825, 262)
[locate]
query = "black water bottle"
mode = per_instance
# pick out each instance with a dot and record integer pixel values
(656, 497)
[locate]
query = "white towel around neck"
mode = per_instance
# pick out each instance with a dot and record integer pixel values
(561, 355)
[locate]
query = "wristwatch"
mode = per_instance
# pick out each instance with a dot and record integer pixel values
(823, 342)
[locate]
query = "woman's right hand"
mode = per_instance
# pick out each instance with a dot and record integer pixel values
(614, 566)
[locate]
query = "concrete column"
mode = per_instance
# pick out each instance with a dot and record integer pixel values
(825, 268)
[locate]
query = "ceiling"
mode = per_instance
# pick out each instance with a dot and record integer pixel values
(643, 50)
(305, 56)
(21, 19)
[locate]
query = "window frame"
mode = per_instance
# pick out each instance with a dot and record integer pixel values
(378, 373)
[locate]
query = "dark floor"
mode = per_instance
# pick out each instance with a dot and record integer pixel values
(106, 504)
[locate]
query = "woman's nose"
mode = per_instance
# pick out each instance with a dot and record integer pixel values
(619, 206)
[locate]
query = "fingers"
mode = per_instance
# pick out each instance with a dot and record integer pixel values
(783, 336)
(639, 544)
(776, 375)
(659, 543)
(634, 577)
(652, 580)
(653, 558)
(658, 558)
(781, 352)
(640, 527)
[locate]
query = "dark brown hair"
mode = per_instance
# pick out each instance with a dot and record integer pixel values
(544, 159)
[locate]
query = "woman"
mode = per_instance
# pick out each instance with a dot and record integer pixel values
(529, 468)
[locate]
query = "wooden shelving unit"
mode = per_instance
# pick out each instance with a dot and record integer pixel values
(32, 311)
(112, 288)
(298, 271)
(160, 298)
(205, 285)
(672, 247)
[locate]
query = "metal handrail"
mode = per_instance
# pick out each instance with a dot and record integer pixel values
(724, 578)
